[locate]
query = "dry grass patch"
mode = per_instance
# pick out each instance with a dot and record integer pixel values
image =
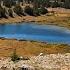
(27, 48)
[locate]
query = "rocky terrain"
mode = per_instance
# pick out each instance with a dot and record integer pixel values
(40, 62)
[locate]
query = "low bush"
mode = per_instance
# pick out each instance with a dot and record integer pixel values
(10, 12)
(36, 12)
(8, 3)
(14, 56)
(3, 13)
(18, 10)
(39, 11)
(28, 10)
(43, 10)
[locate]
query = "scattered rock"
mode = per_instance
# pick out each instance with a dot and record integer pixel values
(40, 62)
(40, 54)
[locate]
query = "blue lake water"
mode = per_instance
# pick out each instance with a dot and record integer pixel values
(43, 33)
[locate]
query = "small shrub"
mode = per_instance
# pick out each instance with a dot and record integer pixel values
(14, 56)
(10, 13)
(36, 12)
(28, 10)
(43, 10)
(55, 4)
(39, 11)
(18, 10)
(3, 13)
(8, 3)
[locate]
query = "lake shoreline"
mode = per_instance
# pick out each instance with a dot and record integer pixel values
(41, 20)
(24, 48)
(58, 19)
(56, 16)
(34, 32)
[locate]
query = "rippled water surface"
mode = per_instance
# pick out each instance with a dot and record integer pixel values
(27, 31)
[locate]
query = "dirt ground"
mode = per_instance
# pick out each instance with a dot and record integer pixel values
(27, 48)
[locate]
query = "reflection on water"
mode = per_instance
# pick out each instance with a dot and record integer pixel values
(45, 33)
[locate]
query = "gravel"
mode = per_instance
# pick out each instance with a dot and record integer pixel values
(40, 62)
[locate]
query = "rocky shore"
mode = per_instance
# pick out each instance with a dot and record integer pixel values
(40, 62)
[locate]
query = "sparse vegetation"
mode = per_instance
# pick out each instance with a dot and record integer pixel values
(10, 12)
(39, 7)
(43, 10)
(18, 10)
(27, 48)
(28, 10)
(36, 12)
(14, 56)
(3, 12)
